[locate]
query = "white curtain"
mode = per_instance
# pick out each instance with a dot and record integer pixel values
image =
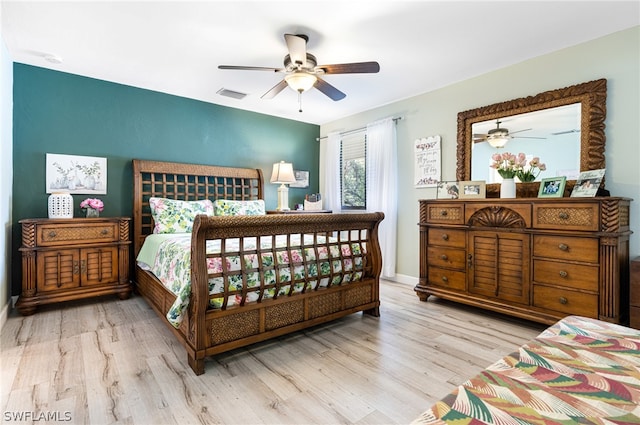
(330, 172)
(382, 186)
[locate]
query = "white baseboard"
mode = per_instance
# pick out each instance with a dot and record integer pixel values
(4, 314)
(404, 279)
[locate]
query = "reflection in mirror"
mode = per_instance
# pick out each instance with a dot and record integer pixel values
(592, 100)
(551, 134)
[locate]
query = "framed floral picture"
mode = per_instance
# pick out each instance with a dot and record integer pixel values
(76, 174)
(448, 190)
(473, 189)
(552, 187)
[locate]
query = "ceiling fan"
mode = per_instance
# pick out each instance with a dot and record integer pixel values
(498, 137)
(302, 71)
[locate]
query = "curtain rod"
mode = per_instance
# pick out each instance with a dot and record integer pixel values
(357, 130)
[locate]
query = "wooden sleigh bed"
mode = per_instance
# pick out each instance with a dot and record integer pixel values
(332, 261)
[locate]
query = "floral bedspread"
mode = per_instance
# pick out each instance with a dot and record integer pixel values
(578, 371)
(331, 264)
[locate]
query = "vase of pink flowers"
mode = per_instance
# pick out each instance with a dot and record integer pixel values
(510, 166)
(92, 207)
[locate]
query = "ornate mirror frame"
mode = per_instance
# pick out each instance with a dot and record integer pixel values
(591, 95)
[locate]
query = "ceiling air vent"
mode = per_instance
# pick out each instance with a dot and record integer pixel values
(231, 93)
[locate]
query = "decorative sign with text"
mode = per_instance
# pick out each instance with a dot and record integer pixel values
(427, 161)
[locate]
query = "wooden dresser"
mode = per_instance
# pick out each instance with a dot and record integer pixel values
(69, 259)
(539, 259)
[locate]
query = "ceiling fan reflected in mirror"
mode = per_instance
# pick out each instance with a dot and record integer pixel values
(302, 71)
(498, 137)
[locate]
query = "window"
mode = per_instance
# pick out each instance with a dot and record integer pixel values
(353, 181)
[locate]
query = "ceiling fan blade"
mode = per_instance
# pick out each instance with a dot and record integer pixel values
(250, 68)
(329, 90)
(520, 131)
(297, 46)
(275, 90)
(351, 68)
(528, 137)
(565, 132)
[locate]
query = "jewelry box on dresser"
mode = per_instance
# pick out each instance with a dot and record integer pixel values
(538, 259)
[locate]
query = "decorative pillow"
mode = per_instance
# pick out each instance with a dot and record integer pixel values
(174, 216)
(227, 207)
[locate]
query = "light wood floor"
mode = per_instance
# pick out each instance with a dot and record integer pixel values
(108, 361)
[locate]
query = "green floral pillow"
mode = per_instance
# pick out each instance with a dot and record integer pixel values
(227, 207)
(173, 216)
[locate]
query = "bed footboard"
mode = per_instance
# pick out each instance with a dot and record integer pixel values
(320, 268)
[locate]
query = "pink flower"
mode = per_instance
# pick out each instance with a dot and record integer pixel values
(93, 203)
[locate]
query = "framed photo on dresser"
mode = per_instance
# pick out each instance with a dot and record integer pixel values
(552, 187)
(473, 189)
(587, 184)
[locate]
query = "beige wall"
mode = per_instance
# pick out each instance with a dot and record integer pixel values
(615, 57)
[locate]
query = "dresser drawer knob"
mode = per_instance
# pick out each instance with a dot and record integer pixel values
(563, 273)
(563, 300)
(563, 215)
(563, 247)
(52, 234)
(444, 257)
(443, 213)
(445, 279)
(445, 237)
(104, 232)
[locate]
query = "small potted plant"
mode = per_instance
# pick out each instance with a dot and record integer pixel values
(92, 207)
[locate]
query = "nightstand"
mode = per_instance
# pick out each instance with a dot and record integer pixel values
(70, 259)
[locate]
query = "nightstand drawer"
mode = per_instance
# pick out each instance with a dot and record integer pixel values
(574, 276)
(446, 257)
(565, 301)
(447, 278)
(566, 248)
(447, 237)
(54, 235)
(567, 216)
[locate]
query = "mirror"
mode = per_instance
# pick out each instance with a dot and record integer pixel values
(566, 123)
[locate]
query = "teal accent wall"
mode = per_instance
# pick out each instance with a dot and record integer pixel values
(62, 113)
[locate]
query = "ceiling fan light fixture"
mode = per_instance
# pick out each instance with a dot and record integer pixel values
(497, 141)
(301, 81)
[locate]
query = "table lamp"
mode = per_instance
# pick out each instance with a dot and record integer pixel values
(283, 174)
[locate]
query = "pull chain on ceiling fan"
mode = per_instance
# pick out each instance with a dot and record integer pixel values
(303, 72)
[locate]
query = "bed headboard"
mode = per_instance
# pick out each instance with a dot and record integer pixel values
(187, 182)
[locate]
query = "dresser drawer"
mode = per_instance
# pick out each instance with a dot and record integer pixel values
(450, 279)
(446, 257)
(57, 234)
(566, 248)
(445, 213)
(447, 237)
(573, 276)
(565, 301)
(567, 216)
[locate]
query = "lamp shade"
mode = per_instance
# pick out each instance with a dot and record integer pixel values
(300, 81)
(282, 173)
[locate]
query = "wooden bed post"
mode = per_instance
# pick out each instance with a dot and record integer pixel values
(196, 333)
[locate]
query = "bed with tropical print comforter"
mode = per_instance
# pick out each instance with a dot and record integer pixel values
(578, 371)
(168, 257)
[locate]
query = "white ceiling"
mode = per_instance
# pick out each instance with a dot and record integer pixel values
(176, 47)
